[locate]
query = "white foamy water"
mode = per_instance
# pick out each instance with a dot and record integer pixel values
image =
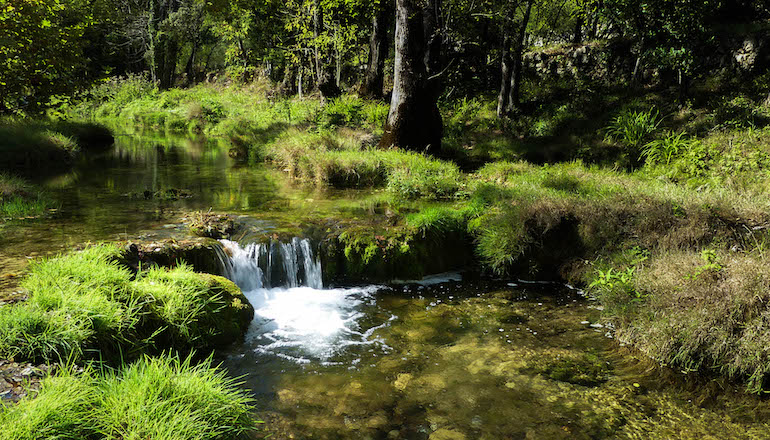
(295, 317)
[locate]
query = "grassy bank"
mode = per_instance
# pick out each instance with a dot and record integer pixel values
(19, 199)
(158, 398)
(36, 147)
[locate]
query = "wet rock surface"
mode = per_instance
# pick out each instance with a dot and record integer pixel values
(203, 254)
(19, 380)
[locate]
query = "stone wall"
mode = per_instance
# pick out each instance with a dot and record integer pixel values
(614, 59)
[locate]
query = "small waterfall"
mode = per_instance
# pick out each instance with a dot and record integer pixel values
(274, 264)
(295, 318)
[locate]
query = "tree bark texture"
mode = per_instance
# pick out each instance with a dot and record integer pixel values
(414, 121)
(379, 44)
(518, 53)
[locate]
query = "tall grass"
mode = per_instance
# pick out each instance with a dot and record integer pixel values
(156, 398)
(19, 199)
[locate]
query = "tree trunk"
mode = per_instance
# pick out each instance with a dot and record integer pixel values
(684, 88)
(190, 67)
(168, 50)
(324, 80)
(414, 121)
(288, 85)
(515, 90)
(378, 51)
(505, 83)
(577, 37)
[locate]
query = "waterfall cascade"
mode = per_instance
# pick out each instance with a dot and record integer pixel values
(274, 264)
(295, 317)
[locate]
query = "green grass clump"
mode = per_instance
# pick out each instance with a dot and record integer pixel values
(633, 128)
(29, 332)
(62, 410)
(168, 399)
(195, 309)
(19, 199)
(86, 305)
(327, 159)
(158, 398)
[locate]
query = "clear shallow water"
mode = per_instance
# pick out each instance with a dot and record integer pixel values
(450, 359)
(491, 362)
(103, 198)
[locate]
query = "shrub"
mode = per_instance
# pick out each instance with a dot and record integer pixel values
(740, 112)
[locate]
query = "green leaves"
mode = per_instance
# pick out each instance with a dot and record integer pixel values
(41, 50)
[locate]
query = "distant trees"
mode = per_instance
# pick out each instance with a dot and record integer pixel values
(514, 36)
(379, 45)
(50, 47)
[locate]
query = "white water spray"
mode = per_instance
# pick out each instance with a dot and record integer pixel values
(295, 317)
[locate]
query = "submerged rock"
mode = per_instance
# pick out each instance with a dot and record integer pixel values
(207, 224)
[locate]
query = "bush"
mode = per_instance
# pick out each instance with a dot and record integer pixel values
(343, 111)
(741, 112)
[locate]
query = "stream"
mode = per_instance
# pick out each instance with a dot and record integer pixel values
(450, 357)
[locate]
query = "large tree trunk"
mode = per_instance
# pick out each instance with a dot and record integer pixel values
(577, 37)
(378, 51)
(515, 90)
(324, 79)
(414, 121)
(168, 49)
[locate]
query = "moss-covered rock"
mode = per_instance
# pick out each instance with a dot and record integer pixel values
(364, 254)
(233, 319)
(203, 254)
